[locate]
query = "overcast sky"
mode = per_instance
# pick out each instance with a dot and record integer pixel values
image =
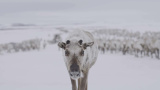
(141, 8)
(93, 5)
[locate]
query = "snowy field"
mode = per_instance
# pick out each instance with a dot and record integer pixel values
(44, 69)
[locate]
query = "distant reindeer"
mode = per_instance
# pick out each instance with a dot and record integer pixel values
(80, 52)
(138, 48)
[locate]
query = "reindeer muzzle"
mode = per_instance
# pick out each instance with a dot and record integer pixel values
(74, 71)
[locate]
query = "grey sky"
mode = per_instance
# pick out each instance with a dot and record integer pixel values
(144, 9)
(93, 5)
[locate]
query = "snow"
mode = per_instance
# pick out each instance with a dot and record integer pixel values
(33, 71)
(46, 70)
(119, 72)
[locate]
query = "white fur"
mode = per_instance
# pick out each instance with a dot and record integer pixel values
(90, 53)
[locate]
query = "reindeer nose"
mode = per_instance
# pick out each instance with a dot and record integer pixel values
(74, 68)
(74, 71)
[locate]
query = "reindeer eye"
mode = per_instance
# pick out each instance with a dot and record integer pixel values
(66, 53)
(82, 53)
(80, 42)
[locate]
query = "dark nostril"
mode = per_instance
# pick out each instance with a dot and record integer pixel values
(77, 74)
(71, 74)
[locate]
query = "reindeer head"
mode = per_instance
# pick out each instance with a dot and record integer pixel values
(74, 53)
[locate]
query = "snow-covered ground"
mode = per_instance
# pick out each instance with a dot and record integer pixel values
(45, 69)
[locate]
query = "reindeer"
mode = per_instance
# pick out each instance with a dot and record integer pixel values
(80, 52)
(138, 48)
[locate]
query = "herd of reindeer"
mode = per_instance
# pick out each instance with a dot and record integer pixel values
(109, 40)
(28, 45)
(128, 42)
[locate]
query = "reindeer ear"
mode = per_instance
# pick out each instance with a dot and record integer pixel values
(62, 45)
(85, 45)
